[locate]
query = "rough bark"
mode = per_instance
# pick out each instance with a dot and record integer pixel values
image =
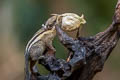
(89, 54)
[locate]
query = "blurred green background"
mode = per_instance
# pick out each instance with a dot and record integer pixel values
(20, 19)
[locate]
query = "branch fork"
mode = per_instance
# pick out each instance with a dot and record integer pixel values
(89, 54)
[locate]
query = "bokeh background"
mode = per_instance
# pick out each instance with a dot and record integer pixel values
(20, 19)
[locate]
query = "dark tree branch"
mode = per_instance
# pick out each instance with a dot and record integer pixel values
(89, 56)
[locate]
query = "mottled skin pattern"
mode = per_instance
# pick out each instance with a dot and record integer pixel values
(40, 42)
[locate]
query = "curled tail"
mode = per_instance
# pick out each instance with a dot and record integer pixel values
(27, 73)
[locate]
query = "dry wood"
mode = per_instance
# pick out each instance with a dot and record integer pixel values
(89, 54)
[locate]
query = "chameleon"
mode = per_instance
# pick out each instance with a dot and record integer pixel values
(38, 44)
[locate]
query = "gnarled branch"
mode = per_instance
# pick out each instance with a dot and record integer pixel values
(89, 54)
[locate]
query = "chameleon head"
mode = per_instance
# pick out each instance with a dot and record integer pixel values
(71, 21)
